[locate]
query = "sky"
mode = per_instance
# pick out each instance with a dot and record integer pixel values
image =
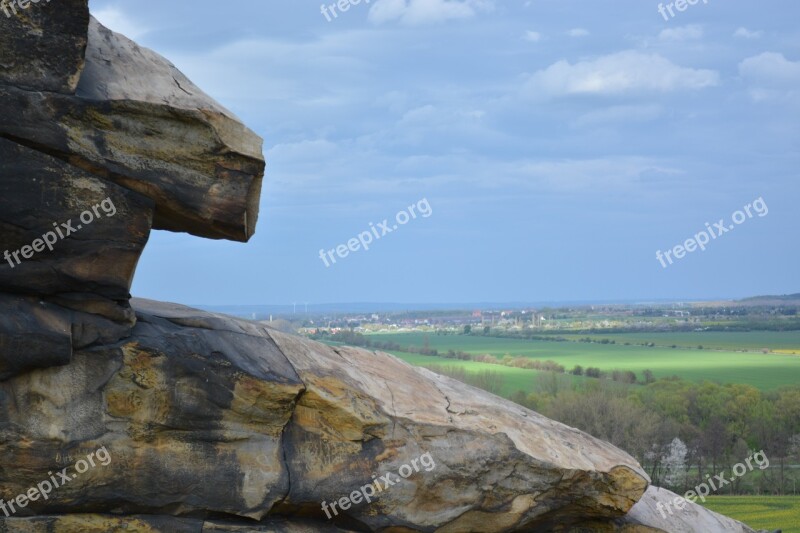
(550, 148)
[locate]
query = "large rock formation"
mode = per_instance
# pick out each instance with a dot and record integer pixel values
(141, 416)
(100, 140)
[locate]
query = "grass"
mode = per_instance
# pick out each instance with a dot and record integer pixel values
(760, 512)
(783, 341)
(763, 371)
(514, 379)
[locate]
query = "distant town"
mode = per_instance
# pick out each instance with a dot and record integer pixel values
(767, 313)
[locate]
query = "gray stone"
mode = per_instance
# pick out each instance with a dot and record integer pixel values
(42, 47)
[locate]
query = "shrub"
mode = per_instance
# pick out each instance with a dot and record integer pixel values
(593, 372)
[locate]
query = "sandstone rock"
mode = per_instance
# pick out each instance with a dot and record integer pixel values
(138, 138)
(95, 523)
(137, 121)
(72, 242)
(98, 253)
(42, 46)
(20, 351)
(693, 518)
(205, 414)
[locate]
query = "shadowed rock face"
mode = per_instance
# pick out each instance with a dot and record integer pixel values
(90, 120)
(90, 250)
(149, 417)
(95, 523)
(137, 121)
(43, 47)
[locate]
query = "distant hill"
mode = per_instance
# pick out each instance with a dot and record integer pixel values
(785, 299)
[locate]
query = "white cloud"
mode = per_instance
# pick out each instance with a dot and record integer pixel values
(682, 33)
(578, 32)
(770, 76)
(581, 176)
(620, 113)
(619, 73)
(744, 33)
(419, 12)
(772, 68)
(429, 116)
(120, 22)
(533, 36)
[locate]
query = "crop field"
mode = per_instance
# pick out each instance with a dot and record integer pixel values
(777, 341)
(760, 512)
(763, 371)
(514, 379)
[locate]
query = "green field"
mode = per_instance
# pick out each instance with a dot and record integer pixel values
(514, 379)
(764, 371)
(760, 512)
(788, 341)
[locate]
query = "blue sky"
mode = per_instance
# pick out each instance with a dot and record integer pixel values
(559, 144)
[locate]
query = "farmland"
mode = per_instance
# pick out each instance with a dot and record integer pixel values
(763, 371)
(514, 379)
(776, 341)
(760, 512)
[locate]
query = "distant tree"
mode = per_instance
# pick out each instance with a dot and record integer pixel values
(550, 383)
(577, 371)
(604, 411)
(488, 380)
(713, 440)
(486, 330)
(648, 376)
(593, 372)
(519, 397)
(674, 463)
(467, 329)
(455, 372)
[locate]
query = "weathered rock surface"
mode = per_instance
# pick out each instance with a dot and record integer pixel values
(42, 47)
(37, 334)
(646, 516)
(205, 416)
(137, 121)
(97, 254)
(96, 523)
(89, 119)
(208, 415)
(156, 417)
(70, 246)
